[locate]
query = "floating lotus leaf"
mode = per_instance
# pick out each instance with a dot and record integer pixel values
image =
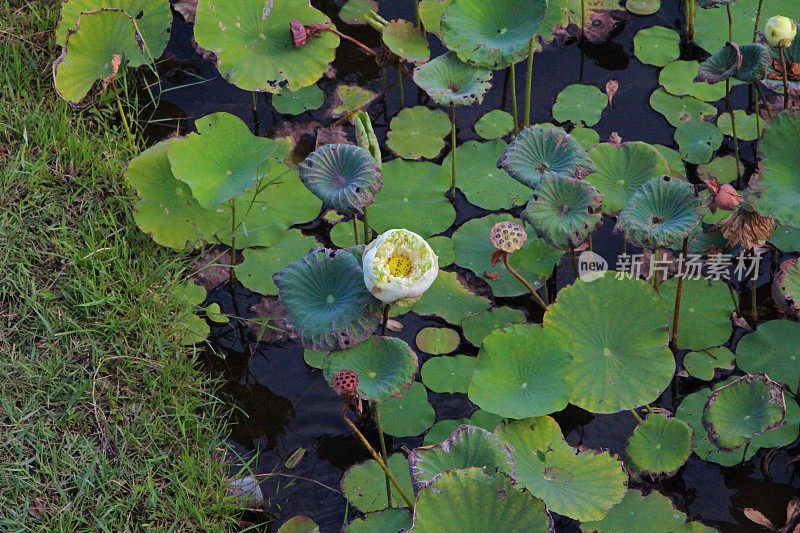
(443, 428)
(494, 124)
(260, 264)
(697, 140)
(773, 349)
(703, 364)
(479, 178)
(430, 14)
(299, 524)
(723, 168)
(101, 43)
(405, 40)
(385, 366)
(416, 132)
(722, 65)
(450, 81)
(661, 213)
(657, 46)
(448, 299)
(238, 161)
(534, 261)
(448, 374)
(643, 7)
(706, 307)
(478, 325)
(354, 11)
(622, 170)
(344, 176)
(617, 364)
(491, 35)
(538, 151)
(408, 415)
(437, 341)
(785, 239)
(450, 504)
(582, 485)
(680, 109)
(786, 285)
(564, 211)
(296, 102)
(644, 514)
(466, 447)
(327, 300)
(677, 169)
(254, 46)
(349, 98)
(443, 248)
(755, 60)
(746, 125)
(587, 137)
(385, 521)
(711, 25)
(580, 104)
(735, 413)
(659, 444)
(364, 485)
(678, 79)
(313, 358)
(522, 372)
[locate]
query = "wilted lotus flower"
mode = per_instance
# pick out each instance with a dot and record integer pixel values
(780, 31)
(746, 227)
(722, 196)
(302, 33)
(399, 266)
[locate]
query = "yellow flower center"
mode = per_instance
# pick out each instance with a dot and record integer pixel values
(399, 266)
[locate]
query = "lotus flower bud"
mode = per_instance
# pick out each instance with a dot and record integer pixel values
(727, 197)
(399, 266)
(780, 31)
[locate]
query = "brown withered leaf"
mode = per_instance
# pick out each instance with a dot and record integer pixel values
(758, 518)
(615, 139)
(272, 323)
(116, 61)
(394, 325)
(611, 90)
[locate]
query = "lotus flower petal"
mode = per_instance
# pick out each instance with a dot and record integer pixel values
(399, 266)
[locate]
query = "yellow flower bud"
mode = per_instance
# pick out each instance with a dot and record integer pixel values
(780, 31)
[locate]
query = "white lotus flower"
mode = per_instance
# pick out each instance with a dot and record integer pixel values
(399, 266)
(780, 31)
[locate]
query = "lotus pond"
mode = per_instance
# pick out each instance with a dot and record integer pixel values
(522, 265)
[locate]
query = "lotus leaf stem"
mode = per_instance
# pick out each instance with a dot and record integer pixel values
(400, 82)
(361, 45)
(648, 409)
(785, 79)
(733, 298)
(758, 118)
(529, 83)
(733, 122)
(453, 152)
(383, 451)
(758, 20)
(524, 282)
(653, 266)
(514, 97)
(754, 301)
(367, 232)
(589, 242)
(770, 114)
(254, 105)
(355, 230)
(574, 261)
(689, 14)
(122, 115)
(418, 24)
(636, 415)
(386, 308)
(679, 293)
(744, 453)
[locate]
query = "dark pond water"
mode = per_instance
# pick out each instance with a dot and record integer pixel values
(284, 404)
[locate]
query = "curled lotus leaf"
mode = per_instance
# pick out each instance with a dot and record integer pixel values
(755, 61)
(722, 65)
(660, 445)
(773, 349)
(564, 211)
(344, 176)
(538, 151)
(449, 81)
(325, 296)
(405, 40)
(662, 212)
(491, 35)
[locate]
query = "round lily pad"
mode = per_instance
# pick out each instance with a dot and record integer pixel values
(580, 104)
(622, 170)
(723, 168)
(438, 340)
(657, 46)
(587, 137)
(448, 299)
(702, 364)
(354, 11)
(450, 81)
(697, 140)
(582, 485)
(680, 109)
(706, 307)
(430, 13)
(296, 102)
(678, 79)
(539, 150)
(746, 126)
(494, 124)
(522, 372)
(659, 444)
(385, 366)
(299, 524)
(385, 521)
(448, 374)
(254, 46)
(478, 325)
(409, 415)
(364, 485)
(416, 132)
(260, 264)
(640, 514)
(643, 7)
(564, 211)
(491, 35)
(405, 40)
(722, 64)
(617, 364)
(773, 349)
(755, 61)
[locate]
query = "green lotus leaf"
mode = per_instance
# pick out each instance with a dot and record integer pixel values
(678, 78)
(437, 341)
(773, 349)
(448, 299)
(192, 330)
(238, 162)
(746, 125)
(478, 325)
(538, 151)
(622, 170)
(660, 445)
(722, 65)
(325, 296)
(344, 176)
(386, 366)
(449, 504)
(643, 7)
(449, 81)
(299, 524)
(349, 98)
(189, 294)
(697, 140)
(522, 372)
(254, 46)
(564, 211)
(677, 169)
(468, 446)
(617, 364)
(746, 408)
(662, 212)
(582, 485)
(580, 104)
(723, 168)
(354, 11)
(364, 485)
(491, 35)
(587, 137)
(443, 428)
(641, 514)
(214, 314)
(443, 248)
(409, 415)
(430, 14)
(448, 374)
(479, 178)
(706, 307)
(313, 358)
(413, 197)
(296, 102)
(785, 239)
(786, 286)
(703, 364)
(494, 124)
(101, 43)
(260, 264)
(777, 194)
(405, 40)
(416, 132)
(385, 521)
(534, 261)
(711, 25)
(755, 60)
(680, 109)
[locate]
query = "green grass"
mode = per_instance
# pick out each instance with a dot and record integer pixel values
(106, 424)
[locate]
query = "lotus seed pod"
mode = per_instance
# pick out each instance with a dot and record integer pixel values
(780, 31)
(507, 236)
(345, 382)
